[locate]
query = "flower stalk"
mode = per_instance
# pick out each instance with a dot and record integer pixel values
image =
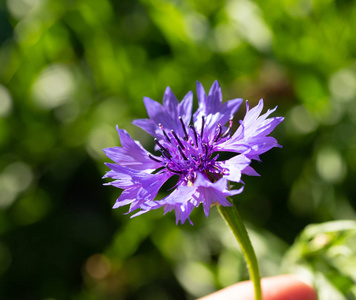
(233, 219)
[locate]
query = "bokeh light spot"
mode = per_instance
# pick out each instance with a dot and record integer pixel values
(301, 120)
(15, 178)
(20, 8)
(5, 102)
(98, 266)
(98, 139)
(226, 37)
(196, 26)
(250, 23)
(342, 85)
(330, 165)
(196, 278)
(53, 87)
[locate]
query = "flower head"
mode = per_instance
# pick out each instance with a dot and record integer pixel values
(189, 151)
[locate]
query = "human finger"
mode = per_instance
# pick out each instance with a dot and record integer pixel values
(283, 287)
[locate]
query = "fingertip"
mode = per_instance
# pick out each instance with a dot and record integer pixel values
(287, 287)
(283, 287)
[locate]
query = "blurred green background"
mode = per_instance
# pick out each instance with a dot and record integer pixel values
(71, 70)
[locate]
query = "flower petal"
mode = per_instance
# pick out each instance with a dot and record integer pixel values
(251, 137)
(212, 109)
(235, 167)
(179, 200)
(140, 188)
(131, 154)
(209, 192)
(155, 110)
(147, 125)
(166, 115)
(185, 108)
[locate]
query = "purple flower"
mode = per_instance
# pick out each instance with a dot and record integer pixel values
(191, 152)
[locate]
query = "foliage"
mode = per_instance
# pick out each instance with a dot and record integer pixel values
(325, 254)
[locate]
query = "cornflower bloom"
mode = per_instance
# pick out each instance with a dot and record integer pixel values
(189, 152)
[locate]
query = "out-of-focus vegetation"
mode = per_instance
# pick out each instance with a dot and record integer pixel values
(325, 254)
(71, 70)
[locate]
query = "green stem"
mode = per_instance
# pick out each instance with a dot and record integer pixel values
(234, 221)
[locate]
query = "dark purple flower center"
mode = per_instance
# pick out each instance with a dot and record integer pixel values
(192, 153)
